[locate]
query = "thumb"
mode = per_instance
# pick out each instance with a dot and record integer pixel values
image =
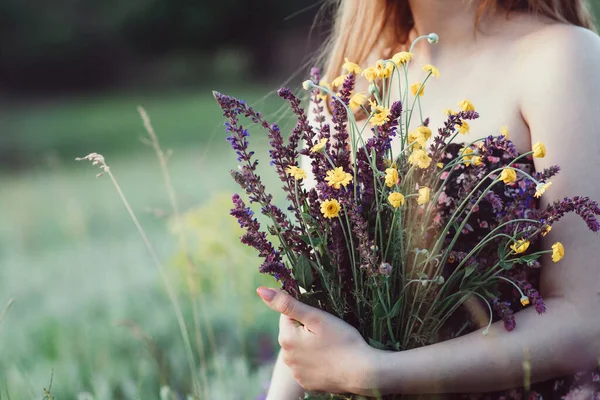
(283, 303)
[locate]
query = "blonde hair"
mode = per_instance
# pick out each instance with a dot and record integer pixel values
(361, 25)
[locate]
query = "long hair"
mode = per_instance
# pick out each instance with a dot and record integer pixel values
(361, 25)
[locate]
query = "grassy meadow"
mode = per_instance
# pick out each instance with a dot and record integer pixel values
(91, 310)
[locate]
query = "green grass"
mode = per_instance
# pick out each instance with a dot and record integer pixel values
(88, 302)
(109, 123)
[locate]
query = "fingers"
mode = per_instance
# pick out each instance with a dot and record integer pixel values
(288, 332)
(285, 304)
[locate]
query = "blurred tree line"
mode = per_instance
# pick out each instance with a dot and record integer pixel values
(65, 45)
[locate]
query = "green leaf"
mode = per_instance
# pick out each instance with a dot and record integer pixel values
(395, 310)
(316, 242)
(303, 272)
(501, 252)
(470, 269)
(530, 257)
(307, 217)
(376, 344)
(379, 311)
(313, 299)
(506, 265)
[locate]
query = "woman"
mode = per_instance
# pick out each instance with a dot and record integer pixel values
(530, 65)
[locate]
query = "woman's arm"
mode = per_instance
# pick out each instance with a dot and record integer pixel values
(561, 342)
(561, 105)
(283, 385)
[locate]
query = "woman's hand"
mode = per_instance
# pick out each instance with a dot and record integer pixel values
(323, 352)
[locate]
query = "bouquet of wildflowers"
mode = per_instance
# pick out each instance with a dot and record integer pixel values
(402, 228)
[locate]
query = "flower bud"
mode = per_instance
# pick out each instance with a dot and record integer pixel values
(433, 38)
(373, 89)
(385, 269)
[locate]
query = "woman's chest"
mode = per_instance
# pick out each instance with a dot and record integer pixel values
(492, 89)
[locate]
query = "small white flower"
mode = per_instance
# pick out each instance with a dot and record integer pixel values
(307, 84)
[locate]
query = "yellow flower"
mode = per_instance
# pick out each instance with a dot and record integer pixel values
(463, 128)
(508, 175)
(520, 246)
(476, 161)
(330, 208)
(524, 300)
(379, 114)
(424, 194)
(357, 100)
(370, 74)
(546, 230)
(467, 155)
(384, 69)
(421, 135)
(466, 105)
(414, 88)
(337, 178)
(402, 57)
(504, 131)
(420, 158)
(297, 173)
(425, 131)
(440, 165)
(415, 136)
(391, 176)
(539, 150)
(351, 67)
(319, 146)
(448, 112)
(432, 70)
(396, 199)
(339, 81)
(558, 251)
(541, 188)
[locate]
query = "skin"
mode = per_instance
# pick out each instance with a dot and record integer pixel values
(536, 77)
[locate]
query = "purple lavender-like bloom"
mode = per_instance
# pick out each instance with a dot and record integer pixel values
(494, 200)
(449, 128)
(534, 297)
(361, 233)
(547, 173)
(247, 177)
(385, 269)
(377, 145)
(501, 143)
(584, 207)
(341, 156)
(503, 310)
(302, 130)
(316, 100)
(382, 138)
(254, 237)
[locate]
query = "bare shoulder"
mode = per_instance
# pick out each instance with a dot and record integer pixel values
(556, 48)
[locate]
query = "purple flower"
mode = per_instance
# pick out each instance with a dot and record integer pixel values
(316, 100)
(503, 310)
(341, 154)
(582, 206)
(360, 231)
(254, 237)
(534, 297)
(449, 128)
